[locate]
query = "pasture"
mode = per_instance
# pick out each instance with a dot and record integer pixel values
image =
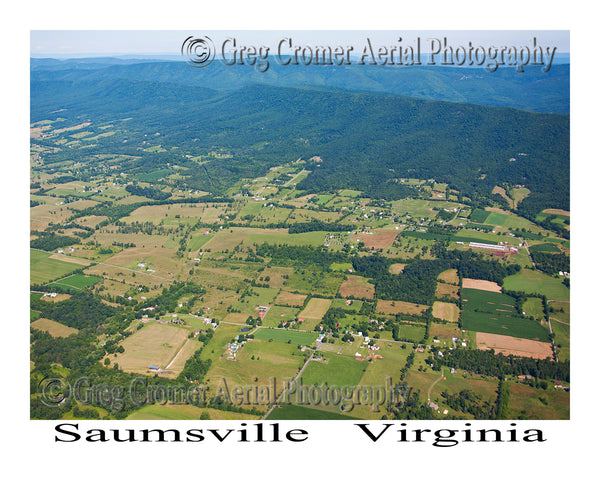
(155, 344)
(315, 308)
(378, 239)
(53, 328)
(257, 296)
(393, 307)
(282, 335)
(354, 305)
(43, 269)
(333, 369)
(524, 398)
(290, 299)
(357, 287)
(258, 363)
(278, 314)
(446, 311)
(449, 276)
(532, 281)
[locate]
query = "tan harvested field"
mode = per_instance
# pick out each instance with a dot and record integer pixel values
(516, 346)
(446, 311)
(481, 285)
(444, 331)
(290, 299)
(449, 276)
(444, 289)
(390, 307)
(105, 236)
(70, 129)
(82, 204)
(36, 132)
(557, 211)
(230, 238)
(397, 268)
(120, 274)
(70, 259)
(155, 344)
(59, 298)
(300, 201)
(379, 239)
(41, 216)
(276, 274)
(53, 328)
(177, 363)
(315, 308)
(91, 220)
(163, 261)
(236, 318)
(198, 211)
(357, 287)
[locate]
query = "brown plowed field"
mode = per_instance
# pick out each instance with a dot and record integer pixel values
(516, 346)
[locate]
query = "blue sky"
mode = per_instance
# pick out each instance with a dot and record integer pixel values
(66, 43)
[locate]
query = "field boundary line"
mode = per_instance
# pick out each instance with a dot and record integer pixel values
(293, 382)
(433, 384)
(177, 354)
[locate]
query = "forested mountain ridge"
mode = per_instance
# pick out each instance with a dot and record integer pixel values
(367, 141)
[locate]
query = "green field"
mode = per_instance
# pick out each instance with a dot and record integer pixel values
(479, 216)
(300, 338)
(340, 267)
(44, 269)
(544, 247)
(278, 314)
(258, 296)
(534, 307)
(339, 370)
(492, 312)
(496, 218)
(355, 306)
(532, 281)
(78, 281)
(198, 241)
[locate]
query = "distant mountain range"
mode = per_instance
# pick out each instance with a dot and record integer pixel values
(531, 90)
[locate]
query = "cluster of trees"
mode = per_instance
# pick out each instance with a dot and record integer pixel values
(486, 362)
(195, 368)
(469, 402)
(317, 226)
(82, 310)
(149, 192)
(167, 301)
(551, 263)
(300, 255)
(51, 241)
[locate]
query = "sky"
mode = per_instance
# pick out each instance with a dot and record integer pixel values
(75, 43)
